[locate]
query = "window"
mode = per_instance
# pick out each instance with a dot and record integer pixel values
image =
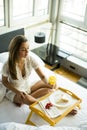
(1, 13)
(73, 27)
(22, 9)
(23, 13)
(74, 9)
(42, 8)
(25, 8)
(74, 12)
(27, 12)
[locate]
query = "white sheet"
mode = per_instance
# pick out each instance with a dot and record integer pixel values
(17, 126)
(11, 113)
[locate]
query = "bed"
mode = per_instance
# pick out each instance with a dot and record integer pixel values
(14, 117)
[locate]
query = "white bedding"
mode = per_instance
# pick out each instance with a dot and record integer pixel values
(17, 126)
(11, 113)
(14, 117)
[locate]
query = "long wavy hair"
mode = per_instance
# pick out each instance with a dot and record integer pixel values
(14, 47)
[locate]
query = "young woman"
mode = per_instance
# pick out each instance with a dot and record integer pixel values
(16, 72)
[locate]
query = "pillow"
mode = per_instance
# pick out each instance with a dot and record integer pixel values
(2, 91)
(3, 57)
(38, 59)
(1, 65)
(0, 77)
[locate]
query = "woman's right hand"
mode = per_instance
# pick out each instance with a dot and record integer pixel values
(21, 95)
(24, 98)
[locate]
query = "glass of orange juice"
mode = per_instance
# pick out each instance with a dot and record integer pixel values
(52, 80)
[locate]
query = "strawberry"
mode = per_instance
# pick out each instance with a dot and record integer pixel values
(48, 105)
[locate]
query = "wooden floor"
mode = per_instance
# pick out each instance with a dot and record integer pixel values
(65, 73)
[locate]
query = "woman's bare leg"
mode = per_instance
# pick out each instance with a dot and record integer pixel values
(38, 85)
(41, 92)
(38, 90)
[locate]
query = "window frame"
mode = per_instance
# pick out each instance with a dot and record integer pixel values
(4, 28)
(3, 14)
(10, 23)
(29, 20)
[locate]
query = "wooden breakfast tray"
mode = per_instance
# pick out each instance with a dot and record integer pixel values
(61, 110)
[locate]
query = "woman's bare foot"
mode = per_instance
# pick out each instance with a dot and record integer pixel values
(18, 104)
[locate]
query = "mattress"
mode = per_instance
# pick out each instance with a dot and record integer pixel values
(11, 113)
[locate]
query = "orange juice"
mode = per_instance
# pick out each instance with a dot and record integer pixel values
(52, 80)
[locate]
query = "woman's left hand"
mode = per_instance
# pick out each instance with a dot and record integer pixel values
(48, 84)
(52, 86)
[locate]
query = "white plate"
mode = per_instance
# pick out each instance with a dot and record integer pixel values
(56, 99)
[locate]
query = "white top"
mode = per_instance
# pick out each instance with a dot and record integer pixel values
(22, 83)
